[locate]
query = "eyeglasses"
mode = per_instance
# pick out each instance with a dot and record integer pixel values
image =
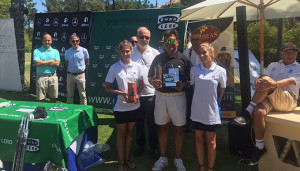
(144, 37)
(73, 41)
(134, 42)
(169, 40)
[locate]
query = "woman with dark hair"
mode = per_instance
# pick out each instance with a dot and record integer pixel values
(126, 113)
(205, 78)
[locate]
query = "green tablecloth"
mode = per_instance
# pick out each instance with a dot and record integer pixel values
(48, 139)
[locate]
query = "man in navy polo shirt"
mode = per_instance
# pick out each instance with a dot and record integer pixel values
(77, 60)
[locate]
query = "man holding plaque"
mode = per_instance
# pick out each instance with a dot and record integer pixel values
(170, 102)
(144, 55)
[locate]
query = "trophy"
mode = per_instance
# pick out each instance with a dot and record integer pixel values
(132, 92)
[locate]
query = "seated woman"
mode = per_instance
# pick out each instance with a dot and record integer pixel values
(205, 117)
(126, 113)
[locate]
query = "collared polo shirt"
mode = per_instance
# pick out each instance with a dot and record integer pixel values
(177, 61)
(76, 59)
(123, 74)
(205, 104)
(192, 56)
(45, 55)
(145, 60)
(278, 71)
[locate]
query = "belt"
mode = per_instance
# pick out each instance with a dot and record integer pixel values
(171, 94)
(46, 75)
(75, 73)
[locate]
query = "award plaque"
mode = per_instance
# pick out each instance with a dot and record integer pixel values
(170, 80)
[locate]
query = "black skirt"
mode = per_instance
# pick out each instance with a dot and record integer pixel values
(203, 127)
(122, 117)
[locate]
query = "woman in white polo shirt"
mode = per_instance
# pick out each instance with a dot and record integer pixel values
(205, 117)
(126, 114)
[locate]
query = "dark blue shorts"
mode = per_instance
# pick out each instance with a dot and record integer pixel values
(128, 116)
(203, 127)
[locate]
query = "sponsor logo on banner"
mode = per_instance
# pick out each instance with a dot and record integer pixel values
(65, 24)
(38, 22)
(63, 36)
(62, 94)
(56, 147)
(38, 36)
(63, 49)
(55, 36)
(106, 65)
(55, 22)
(33, 75)
(208, 33)
(74, 21)
(93, 84)
(103, 84)
(101, 56)
(94, 65)
(47, 23)
(168, 22)
(6, 141)
(61, 79)
(113, 56)
(85, 20)
(61, 66)
(84, 37)
(108, 47)
(96, 47)
(99, 75)
(33, 145)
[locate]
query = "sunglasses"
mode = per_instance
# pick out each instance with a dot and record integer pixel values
(134, 42)
(169, 40)
(73, 41)
(144, 37)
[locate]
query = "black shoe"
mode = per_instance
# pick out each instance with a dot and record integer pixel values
(138, 152)
(243, 118)
(155, 154)
(257, 153)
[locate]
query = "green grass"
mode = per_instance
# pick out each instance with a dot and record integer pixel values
(225, 161)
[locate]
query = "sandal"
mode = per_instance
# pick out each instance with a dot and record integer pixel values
(130, 164)
(122, 166)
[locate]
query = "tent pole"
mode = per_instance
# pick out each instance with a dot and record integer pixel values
(261, 37)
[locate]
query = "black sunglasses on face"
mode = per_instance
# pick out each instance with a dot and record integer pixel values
(144, 37)
(134, 42)
(73, 41)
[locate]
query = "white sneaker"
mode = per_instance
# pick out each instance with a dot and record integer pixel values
(179, 165)
(161, 163)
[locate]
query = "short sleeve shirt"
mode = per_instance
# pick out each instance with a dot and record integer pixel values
(122, 74)
(145, 60)
(279, 71)
(192, 56)
(76, 59)
(177, 61)
(45, 55)
(205, 105)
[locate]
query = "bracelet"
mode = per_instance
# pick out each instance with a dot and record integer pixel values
(277, 84)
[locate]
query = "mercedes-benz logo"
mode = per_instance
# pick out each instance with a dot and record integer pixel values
(55, 34)
(86, 19)
(47, 20)
(38, 22)
(63, 36)
(83, 37)
(75, 21)
(38, 33)
(66, 20)
(55, 22)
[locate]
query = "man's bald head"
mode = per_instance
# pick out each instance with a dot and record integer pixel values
(47, 41)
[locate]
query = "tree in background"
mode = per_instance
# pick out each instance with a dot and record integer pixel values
(189, 3)
(4, 6)
(29, 19)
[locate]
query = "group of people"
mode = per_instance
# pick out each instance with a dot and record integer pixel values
(47, 60)
(159, 105)
(162, 105)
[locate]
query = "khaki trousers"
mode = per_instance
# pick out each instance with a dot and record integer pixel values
(79, 80)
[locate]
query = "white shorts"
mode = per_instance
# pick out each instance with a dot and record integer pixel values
(170, 107)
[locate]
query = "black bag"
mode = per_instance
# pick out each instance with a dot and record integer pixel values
(39, 112)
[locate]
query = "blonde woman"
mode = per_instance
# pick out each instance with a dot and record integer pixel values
(205, 78)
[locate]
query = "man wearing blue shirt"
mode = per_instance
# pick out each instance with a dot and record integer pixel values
(77, 60)
(46, 60)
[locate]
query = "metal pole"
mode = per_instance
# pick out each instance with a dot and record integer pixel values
(243, 56)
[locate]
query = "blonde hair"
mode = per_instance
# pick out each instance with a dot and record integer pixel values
(210, 48)
(125, 43)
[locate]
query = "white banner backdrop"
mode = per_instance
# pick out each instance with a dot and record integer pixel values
(9, 67)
